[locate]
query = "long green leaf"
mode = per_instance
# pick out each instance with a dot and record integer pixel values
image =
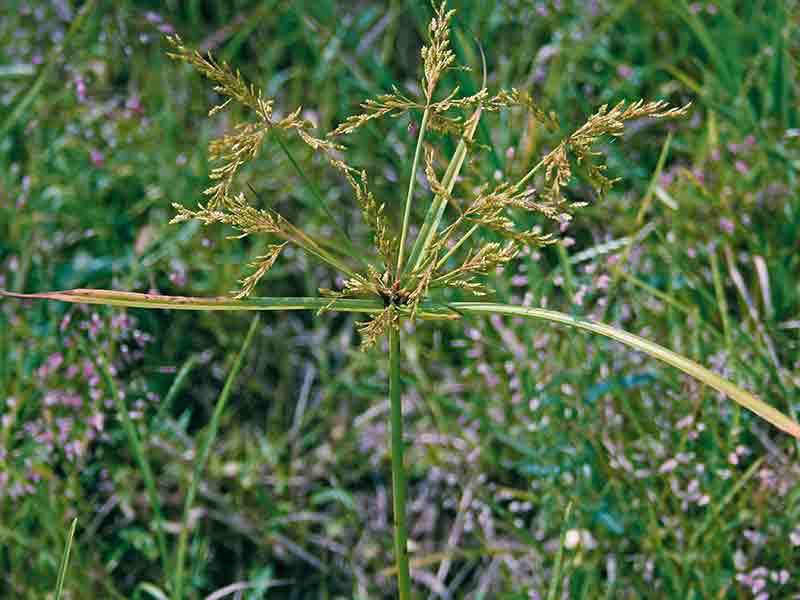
(412, 180)
(555, 578)
(62, 569)
(202, 458)
(177, 384)
(744, 398)
(159, 301)
(137, 300)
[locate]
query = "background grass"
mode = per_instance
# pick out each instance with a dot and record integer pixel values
(676, 493)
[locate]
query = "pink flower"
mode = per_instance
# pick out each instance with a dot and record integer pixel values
(134, 103)
(80, 89)
(726, 225)
(97, 421)
(96, 157)
(668, 466)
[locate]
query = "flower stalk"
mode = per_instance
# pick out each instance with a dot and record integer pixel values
(409, 197)
(399, 483)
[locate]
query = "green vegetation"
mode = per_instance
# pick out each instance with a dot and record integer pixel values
(205, 459)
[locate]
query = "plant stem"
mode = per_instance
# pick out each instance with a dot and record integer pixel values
(398, 469)
(457, 245)
(298, 237)
(433, 217)
(528, 175)
(409, 197)
(474, 228)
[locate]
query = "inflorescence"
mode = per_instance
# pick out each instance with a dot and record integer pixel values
(444, 256)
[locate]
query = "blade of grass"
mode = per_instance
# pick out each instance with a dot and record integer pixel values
(648, 197)
(138, 452)
(555, 578)
(427, 310)
(202, 458)
(715, 53)
(722, 302)
(177, 384)
(398, 469)
(717, 509)
(62, 569)
(738, 395)
(152, 591)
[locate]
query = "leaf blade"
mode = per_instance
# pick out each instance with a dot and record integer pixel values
(62, 569)
(427, 310)
(688, 366)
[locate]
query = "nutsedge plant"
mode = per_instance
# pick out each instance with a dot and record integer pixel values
(467, 233)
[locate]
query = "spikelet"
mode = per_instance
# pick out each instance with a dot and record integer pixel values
(581, 144)
(373, 329)
(438, 56)
(505, 99)
(262, 264)
(392, 105)
(240, 215)
(485, 260)
(383, 238)
(228, 83)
